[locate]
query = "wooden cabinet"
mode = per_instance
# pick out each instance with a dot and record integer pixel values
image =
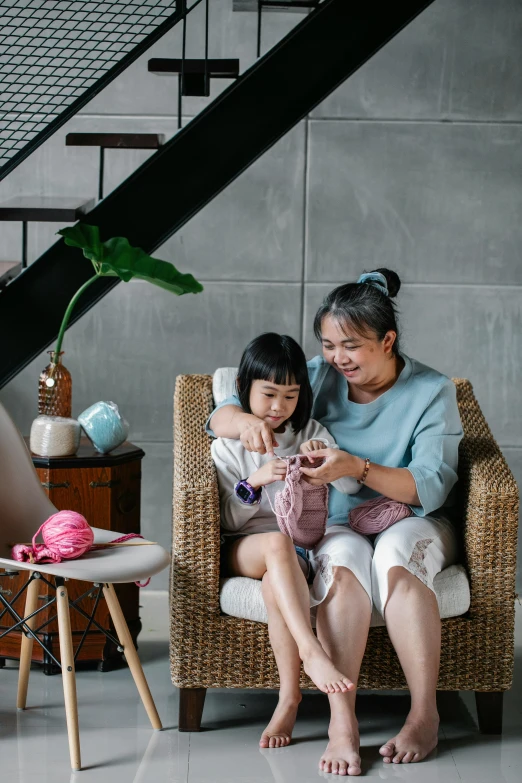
(106, 489)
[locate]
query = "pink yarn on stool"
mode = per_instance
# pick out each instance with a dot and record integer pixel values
(377, 514)
(66, 535)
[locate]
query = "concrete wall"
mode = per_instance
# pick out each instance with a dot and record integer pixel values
(415, 163)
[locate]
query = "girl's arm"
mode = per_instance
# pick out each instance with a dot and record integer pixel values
(230, 421)
(234, 513)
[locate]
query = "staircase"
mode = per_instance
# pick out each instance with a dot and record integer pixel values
(186, 172)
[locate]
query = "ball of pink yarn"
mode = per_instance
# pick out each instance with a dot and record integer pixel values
(66, 534)
(377, 514)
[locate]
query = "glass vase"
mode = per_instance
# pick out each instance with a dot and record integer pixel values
(55, 388)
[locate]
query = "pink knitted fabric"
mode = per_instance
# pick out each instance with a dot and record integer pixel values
(377, 514)
(301, 509)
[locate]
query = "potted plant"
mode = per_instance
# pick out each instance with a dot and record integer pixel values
(113, 258)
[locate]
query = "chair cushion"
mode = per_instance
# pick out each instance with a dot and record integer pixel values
(242, 597)
(224, 383)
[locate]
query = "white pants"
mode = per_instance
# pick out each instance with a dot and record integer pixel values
(422, 545)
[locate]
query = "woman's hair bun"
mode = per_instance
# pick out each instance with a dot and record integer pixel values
(393, 280)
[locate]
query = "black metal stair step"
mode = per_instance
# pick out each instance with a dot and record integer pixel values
(45, 208)
(287, 5)
(194, 75)
(8, 271)
(216, 69)
(129, 141)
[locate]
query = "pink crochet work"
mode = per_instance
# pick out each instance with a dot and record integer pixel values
(301, 509)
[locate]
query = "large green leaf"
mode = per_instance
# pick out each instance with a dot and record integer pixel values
(117, 257)
(87, 238)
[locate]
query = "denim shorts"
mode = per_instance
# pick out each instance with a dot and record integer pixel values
(300, 551)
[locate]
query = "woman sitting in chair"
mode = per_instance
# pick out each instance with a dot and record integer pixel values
(398, 428)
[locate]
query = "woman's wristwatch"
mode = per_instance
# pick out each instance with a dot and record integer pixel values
(247, 494)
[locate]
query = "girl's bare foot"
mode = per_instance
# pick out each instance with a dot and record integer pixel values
(278, 733)
(341, 757)
(417, 738)
(323, 673)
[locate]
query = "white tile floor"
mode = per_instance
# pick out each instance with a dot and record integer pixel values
(119, 746)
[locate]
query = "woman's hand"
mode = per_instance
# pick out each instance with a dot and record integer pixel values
(275, 470)
(256, 435)
(311, 445)
(337, 464)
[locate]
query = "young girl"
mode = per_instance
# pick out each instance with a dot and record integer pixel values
(273, 385)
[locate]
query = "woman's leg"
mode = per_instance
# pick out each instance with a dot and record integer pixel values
(278, 733)
(274, 553)
(343, 620)
(407, 558)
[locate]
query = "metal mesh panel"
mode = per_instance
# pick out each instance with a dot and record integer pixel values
(53, 51)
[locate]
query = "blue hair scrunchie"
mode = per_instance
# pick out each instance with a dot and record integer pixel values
(377, 280)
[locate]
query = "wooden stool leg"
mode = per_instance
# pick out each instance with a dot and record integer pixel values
(26, 651)
(489, 711)
(191, 703)
(68, 674)
(131, 655)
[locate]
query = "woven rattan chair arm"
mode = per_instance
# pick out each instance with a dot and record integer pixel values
(196, 517)
(489, 502)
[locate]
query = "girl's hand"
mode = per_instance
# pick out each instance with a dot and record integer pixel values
(257, 435)
(336, 464)
(311, 445)
(275, 470)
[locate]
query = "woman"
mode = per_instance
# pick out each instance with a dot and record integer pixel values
(398, 428)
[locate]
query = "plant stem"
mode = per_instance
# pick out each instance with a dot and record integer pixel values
(67, 315)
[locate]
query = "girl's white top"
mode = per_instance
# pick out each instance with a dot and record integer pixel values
(233, 463)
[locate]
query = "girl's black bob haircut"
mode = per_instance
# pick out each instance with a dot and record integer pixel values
(276, 358)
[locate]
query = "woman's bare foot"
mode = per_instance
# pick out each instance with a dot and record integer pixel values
(341, 757)
(417, 738)
(323, 673)
(278, 733)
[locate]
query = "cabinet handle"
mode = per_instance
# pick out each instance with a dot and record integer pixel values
(50, 485)
(4, 591)
(112, 483)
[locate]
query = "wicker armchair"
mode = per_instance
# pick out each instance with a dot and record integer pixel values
(212, 650)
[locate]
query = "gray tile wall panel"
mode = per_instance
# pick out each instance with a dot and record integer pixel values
(440, 201)
(460, 59)
(134, 343)
(469, 332)
(253, 230)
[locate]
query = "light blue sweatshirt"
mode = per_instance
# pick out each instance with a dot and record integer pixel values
(414, 425)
